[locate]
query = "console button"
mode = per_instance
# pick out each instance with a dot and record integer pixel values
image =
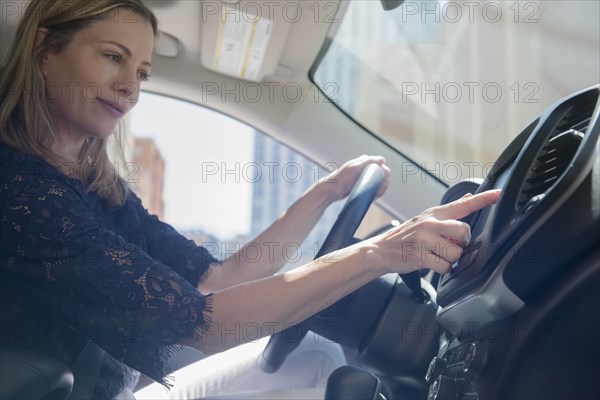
(475, 358)
(450, 356)
(460, 354)
(437, 366)
(443, 388)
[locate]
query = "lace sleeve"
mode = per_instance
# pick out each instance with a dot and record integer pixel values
(54, 246)
(171, 248)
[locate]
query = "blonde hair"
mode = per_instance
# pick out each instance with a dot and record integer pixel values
(25, 119)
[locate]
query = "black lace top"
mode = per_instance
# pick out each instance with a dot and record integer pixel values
(72, 268)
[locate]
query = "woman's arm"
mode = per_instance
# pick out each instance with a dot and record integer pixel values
(70, 267)
(433, 239)
(291, 228)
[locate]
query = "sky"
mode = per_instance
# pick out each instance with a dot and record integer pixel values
(205, 153)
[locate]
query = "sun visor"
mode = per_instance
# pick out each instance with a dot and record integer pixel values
(245, 39)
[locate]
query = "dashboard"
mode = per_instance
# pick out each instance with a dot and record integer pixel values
(517, 315)
(532, 254)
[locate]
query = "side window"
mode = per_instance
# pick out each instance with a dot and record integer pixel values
(218, 181)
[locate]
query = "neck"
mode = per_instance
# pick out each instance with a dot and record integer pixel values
(69, 146)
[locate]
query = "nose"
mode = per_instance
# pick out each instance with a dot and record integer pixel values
(128, 88)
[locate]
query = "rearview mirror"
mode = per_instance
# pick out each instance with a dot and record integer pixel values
(391, 4)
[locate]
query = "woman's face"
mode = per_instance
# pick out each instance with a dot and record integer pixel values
(95, 80)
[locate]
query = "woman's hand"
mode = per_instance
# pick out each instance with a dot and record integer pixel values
(341, 181)
(433, 239)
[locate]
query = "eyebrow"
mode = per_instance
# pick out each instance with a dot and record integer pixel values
(125, 50)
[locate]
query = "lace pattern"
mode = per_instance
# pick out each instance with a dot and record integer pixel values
(127, 277)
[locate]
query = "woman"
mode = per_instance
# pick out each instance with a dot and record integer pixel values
(81, 254)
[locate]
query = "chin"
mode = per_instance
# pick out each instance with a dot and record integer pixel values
(104, 132)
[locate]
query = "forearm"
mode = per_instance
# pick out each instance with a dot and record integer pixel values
(282, 300)
(269, 251)
(268, 305)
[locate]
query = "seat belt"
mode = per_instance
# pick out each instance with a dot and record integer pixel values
(86, 370)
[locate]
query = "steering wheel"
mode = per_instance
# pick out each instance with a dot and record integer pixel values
(341, 235)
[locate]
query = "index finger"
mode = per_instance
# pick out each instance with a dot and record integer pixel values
(467, 205)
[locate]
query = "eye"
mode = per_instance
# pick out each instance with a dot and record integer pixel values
(114, 57)
(143, 76)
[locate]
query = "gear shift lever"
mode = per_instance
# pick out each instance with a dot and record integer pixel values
(351, 383)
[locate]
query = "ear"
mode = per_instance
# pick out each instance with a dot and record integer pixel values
(40, 35)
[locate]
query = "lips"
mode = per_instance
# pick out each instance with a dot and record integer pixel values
(116, 109)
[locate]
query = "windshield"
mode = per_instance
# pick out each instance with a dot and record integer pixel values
(450, 83)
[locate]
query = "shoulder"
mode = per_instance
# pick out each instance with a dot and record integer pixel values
(23, 175)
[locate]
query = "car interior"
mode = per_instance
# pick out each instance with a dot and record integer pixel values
(459, 97)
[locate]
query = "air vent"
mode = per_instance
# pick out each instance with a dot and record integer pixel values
(556, 155)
